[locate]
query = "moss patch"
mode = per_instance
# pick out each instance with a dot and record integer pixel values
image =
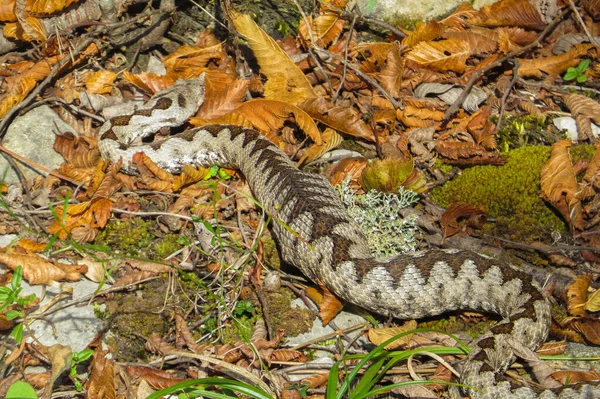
(510, 193)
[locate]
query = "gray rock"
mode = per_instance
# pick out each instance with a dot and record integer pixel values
(32, 136)
(402, 11)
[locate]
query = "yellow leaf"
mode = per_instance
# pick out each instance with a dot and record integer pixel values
(379, 335)
(593, 302)
(285, 81)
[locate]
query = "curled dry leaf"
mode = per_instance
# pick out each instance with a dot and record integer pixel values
(285, 81)
(559, 185)
(325, 29)
(449, 220)
(329, 304)
(584, 110)
(330, 140)
(342, 119)
(348, 168)
(101, 383)
(566, 377)
(37, 270)
(270, 115)
(577, 295)
(157, 379)
(100, 82)
(552, 348)
(379, 335)
(521, 13)
(586, 326)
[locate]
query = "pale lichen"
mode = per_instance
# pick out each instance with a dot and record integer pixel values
(377, 214)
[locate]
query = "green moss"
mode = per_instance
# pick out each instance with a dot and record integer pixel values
(128, 237)
(165, 247)
(510, 193)
(442, 167)
(518, 130)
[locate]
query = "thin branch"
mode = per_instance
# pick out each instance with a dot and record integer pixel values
(479, 73)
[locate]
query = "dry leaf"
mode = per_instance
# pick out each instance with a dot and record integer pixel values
(285, 81)
(379, 335)
(559, 185)
(577, 295)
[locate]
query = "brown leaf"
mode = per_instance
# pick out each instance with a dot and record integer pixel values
(520, 13)
(37, 270)
(101, 384)
(343, 119)
(567, 377)
(552, 348)
(586, 326)
(583, 109)
(222, 95)
(270, 115)
(559, 185)
(288, 355)
(392, 73)
(325, 29)
(100, 82)
(331, 139)
(449, 219)
(347, 168)
(443, 56)
(577, 295)
(157, 379)
(553, 65)
(423, 32)
(285, 81)
(81, 151)
(329, 306)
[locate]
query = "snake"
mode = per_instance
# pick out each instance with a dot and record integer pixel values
(316, 235)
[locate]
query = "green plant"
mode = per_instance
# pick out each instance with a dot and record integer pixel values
(199, 388)
(21, 390)
(11, 296)
(376, 364)
(577, 73)
(243, 307)
(79, 357)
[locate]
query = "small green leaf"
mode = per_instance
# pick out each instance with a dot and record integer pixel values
(82, 356)
(21, 390)
(570, 75)
(22, 301)
(17, 278)
(17, 333)
(13, 314)
(5, 290)
(581, 78)
(583, 65)
(3, 297)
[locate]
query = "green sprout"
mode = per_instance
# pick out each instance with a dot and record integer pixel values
(578, 73)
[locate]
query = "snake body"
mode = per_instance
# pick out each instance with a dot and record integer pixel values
(317, 236)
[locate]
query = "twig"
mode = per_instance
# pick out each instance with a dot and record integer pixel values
(479, 73)
(582, 24)
(345, 70)
(314, 44)
(35, 165)
(508, 90)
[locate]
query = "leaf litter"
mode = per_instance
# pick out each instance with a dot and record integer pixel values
(434, 100)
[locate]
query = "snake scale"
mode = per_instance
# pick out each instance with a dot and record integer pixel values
(316, 235)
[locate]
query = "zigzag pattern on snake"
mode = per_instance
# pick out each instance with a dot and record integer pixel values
(327, 246)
